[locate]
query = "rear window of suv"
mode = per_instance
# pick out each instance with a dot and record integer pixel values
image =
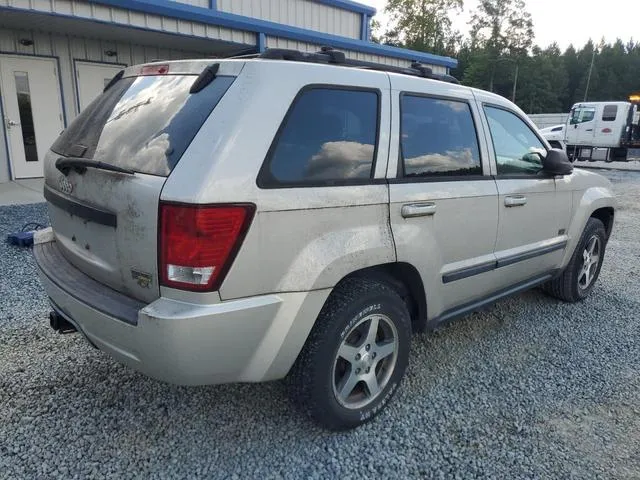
(328, 137)
(142, 123)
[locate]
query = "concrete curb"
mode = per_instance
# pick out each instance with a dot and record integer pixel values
(631, 166)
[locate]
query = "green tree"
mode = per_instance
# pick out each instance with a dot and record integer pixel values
(501, 31)
(423, 25)
(543, 81)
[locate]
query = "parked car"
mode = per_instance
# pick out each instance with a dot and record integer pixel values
(613, 126)
(300, 216)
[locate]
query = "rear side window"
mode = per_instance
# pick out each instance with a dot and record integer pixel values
(142, 123)
(328, 137)
(438, 138)
(609, 113)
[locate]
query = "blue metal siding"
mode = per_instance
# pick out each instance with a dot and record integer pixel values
(298, 13)
(184, 12)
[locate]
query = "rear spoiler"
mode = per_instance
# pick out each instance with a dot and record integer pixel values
(186, 67)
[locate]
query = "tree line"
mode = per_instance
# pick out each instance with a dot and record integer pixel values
(499, 54)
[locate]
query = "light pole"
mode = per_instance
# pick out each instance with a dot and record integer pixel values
(593, 58)
(515, 83)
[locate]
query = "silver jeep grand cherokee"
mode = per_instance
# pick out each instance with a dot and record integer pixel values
(301, 215)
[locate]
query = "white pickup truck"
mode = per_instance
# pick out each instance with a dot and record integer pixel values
(604, 125)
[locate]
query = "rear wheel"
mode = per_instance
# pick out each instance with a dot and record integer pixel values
(579, 277)
(355, 356)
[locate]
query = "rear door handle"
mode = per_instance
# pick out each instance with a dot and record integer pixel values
(515, 201)
(418, 209)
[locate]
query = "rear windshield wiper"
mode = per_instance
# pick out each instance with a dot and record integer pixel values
(80, 165)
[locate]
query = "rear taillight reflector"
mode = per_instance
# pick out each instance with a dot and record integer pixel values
(198, 243)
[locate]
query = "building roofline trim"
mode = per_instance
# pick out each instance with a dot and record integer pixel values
(215, 17)
(349, 6)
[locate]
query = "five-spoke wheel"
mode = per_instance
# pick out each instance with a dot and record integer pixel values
(355, 356)
(365, 361)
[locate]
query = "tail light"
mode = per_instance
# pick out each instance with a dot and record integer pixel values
(198, 243)
(155, 70)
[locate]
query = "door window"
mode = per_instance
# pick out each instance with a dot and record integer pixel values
(328, 137)
(26, 116)
(582, 115)
(518, 150)
(609, 113)
(437, 138)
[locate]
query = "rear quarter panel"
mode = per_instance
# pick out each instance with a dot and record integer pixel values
(301, 239)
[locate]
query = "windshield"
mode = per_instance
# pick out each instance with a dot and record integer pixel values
(142, 123)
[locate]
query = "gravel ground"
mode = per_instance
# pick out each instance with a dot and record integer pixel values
(531, 388)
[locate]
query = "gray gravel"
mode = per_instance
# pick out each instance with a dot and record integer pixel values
(531, 388)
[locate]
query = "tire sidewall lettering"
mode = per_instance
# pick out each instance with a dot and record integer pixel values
(375, 307)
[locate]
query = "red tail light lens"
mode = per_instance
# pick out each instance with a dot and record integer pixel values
(198, 243)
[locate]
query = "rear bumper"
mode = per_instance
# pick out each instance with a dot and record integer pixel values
(252, 339)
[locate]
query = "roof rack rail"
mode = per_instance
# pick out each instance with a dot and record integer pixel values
(330, 56)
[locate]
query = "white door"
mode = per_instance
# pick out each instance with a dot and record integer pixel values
(581, 126)
(32, 110)
(91, 78)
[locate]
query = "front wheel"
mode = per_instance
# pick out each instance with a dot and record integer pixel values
(355, 356)
(579, 277)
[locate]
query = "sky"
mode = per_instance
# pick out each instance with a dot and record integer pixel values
(564, 21)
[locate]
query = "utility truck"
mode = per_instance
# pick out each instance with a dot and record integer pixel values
(611, 126)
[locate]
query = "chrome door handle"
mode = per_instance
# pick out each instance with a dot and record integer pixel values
(515, 201)
(418, 210)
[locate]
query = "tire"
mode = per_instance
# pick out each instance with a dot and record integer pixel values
(343, 329)
(574, 284)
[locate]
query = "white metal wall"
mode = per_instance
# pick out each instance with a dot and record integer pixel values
(277, 42)
(67, 49)
(127, 18)
(298, 13)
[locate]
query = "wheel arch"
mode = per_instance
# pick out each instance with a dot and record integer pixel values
(406, 280)
(605, 215)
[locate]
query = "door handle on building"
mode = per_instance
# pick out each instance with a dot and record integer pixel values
(10, 123)
(418, 210)
(515, 201)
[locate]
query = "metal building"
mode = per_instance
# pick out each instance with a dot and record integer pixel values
(56, 55)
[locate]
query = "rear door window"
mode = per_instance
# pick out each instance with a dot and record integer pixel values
(609, 113)
(142, 123)
(438, 138)
(328, 137)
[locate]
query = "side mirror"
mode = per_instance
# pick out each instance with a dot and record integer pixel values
(557, 163)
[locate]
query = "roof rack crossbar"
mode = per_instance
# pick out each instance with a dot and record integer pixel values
(327, 55)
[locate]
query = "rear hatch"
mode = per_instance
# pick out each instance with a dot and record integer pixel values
(105, 173)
